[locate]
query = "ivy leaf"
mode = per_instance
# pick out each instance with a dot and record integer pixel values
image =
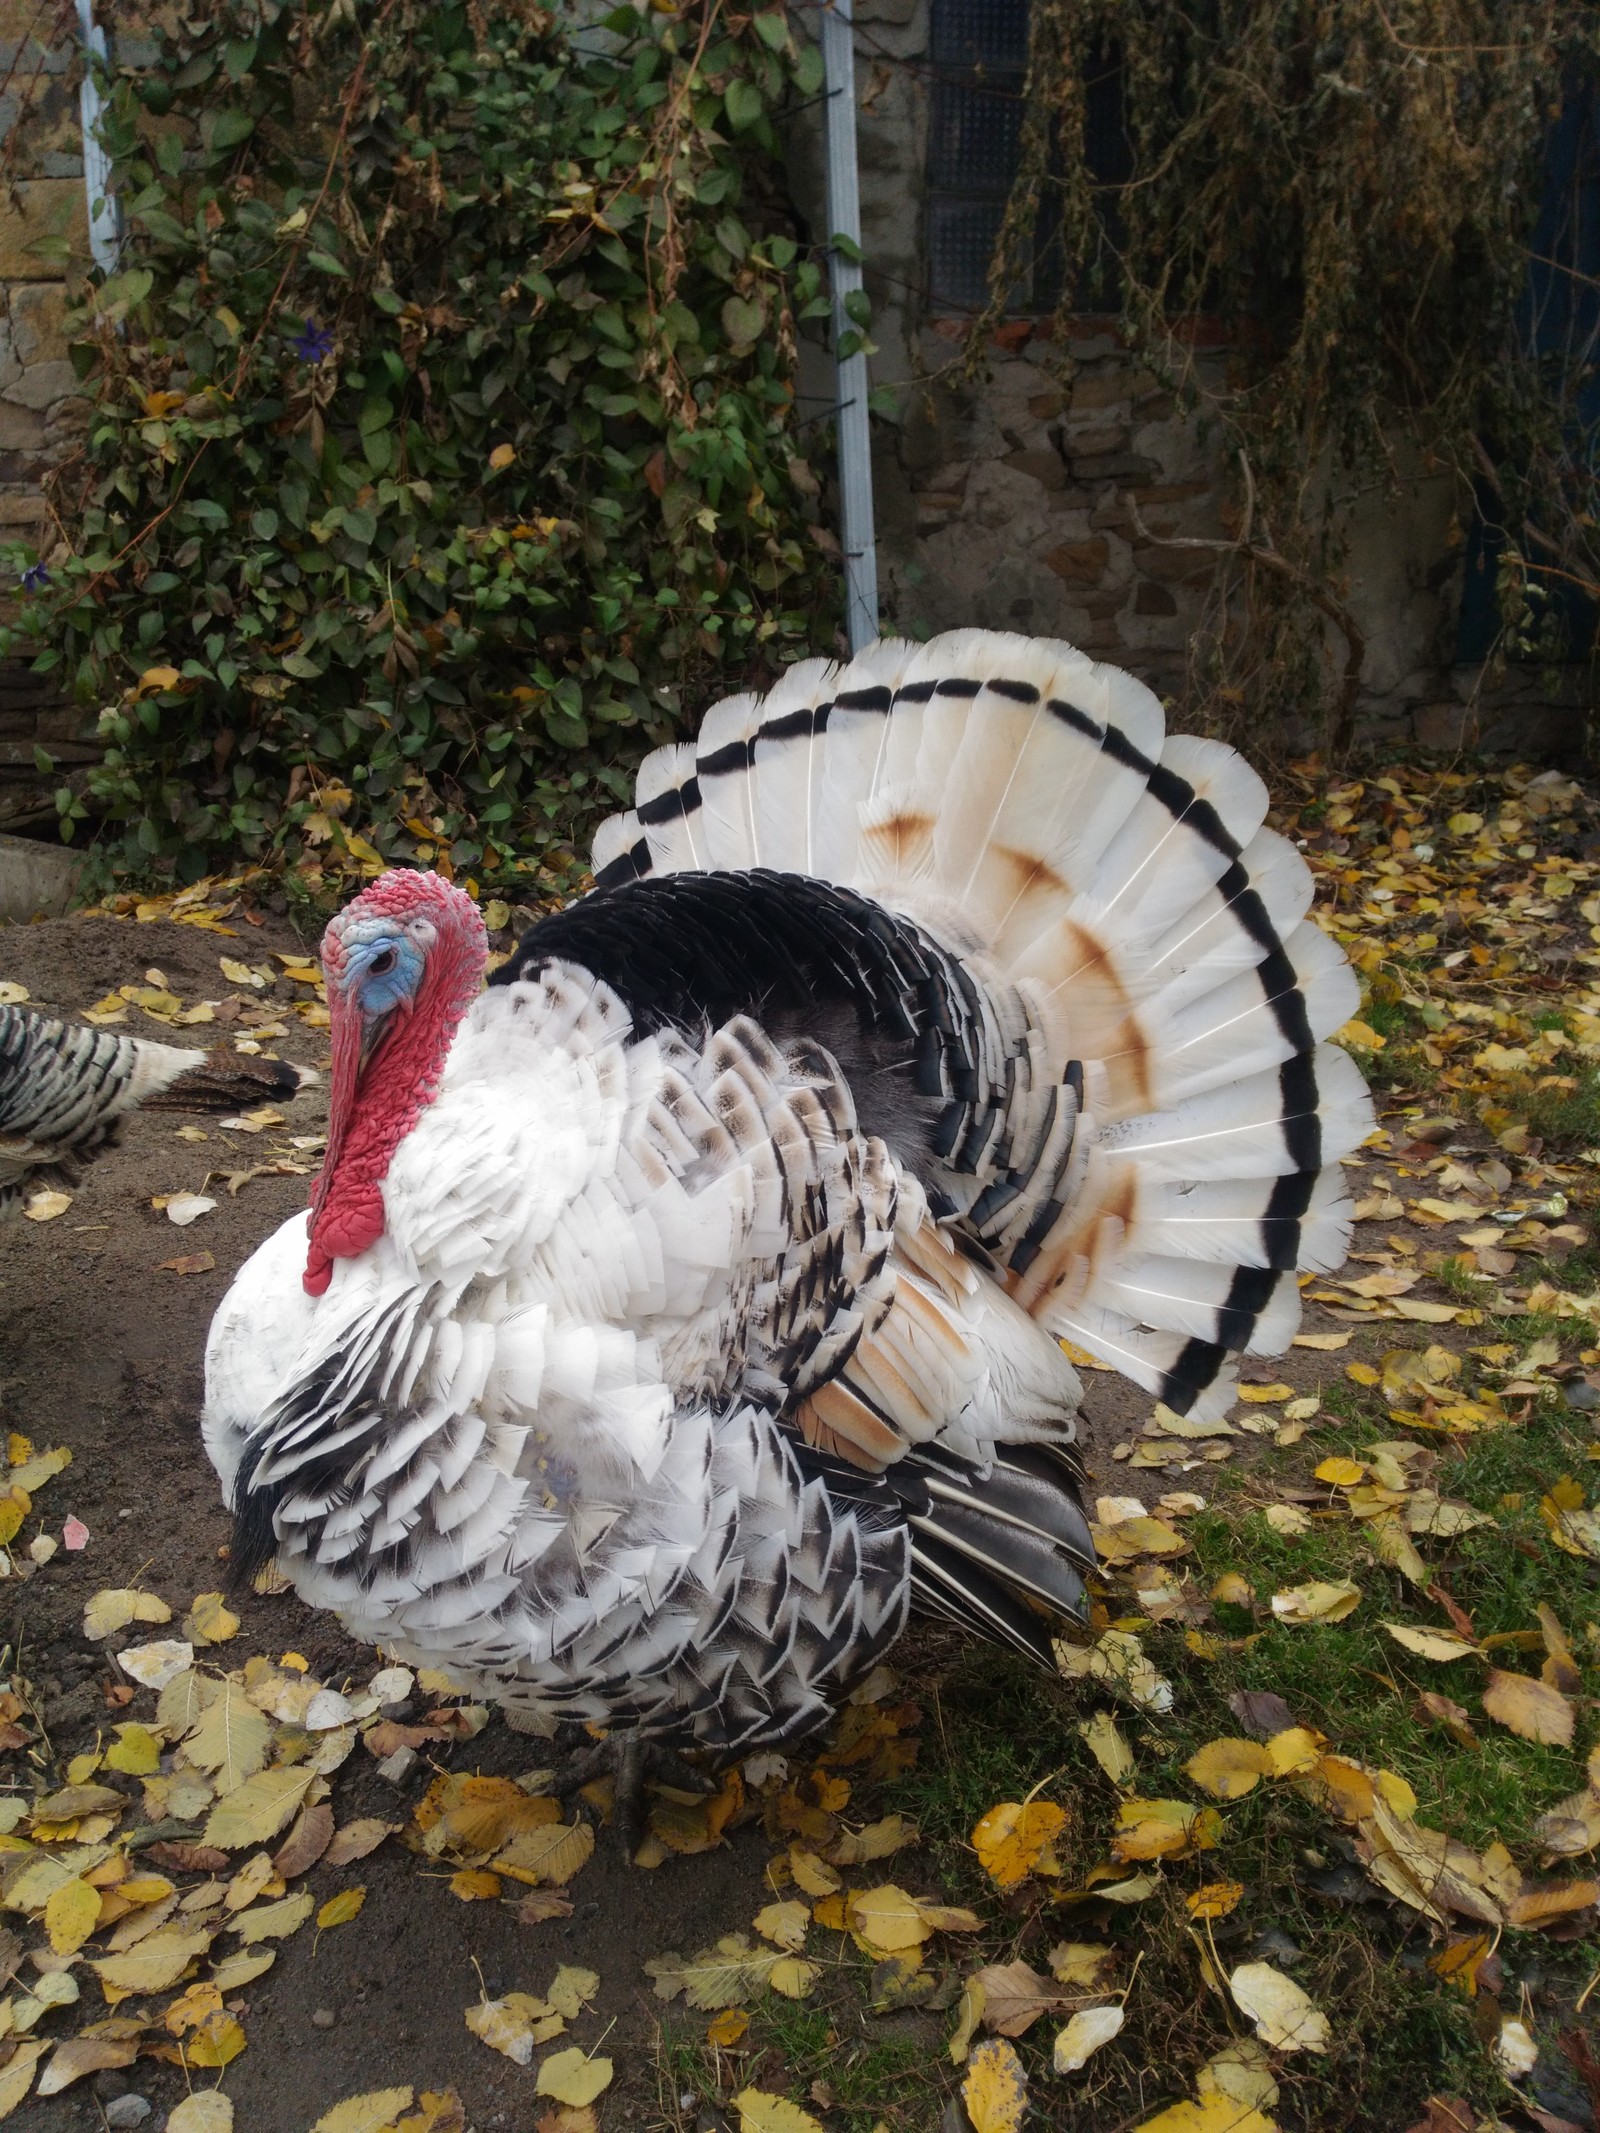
(226, 129)
(744, 320)
(743, 102)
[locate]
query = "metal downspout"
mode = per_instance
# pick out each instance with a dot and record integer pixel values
(105, 217)
(850, 372)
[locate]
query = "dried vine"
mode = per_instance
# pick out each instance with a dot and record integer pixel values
(1349, 187)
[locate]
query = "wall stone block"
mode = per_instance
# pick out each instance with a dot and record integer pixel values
(41, 385)
(1079, 562)
(44, 209)
(38, 314)
(1043, 466)
(22, 428)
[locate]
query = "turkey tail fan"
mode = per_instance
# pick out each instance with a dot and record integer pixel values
(1025, 807)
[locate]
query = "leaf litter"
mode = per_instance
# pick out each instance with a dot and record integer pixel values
(1456, 1247)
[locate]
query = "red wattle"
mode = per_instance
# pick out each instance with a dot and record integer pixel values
(372, 1111)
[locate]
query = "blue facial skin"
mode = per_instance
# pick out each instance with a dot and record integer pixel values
(384, 974)
(381, 975)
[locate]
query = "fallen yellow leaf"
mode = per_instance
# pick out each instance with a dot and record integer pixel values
(1532, 1709)
(71, 1915)
(1215, 1900)
(995, 2090)
(573, 2077)
(1229, 1768)
(1013, 1840)
(1083, 2036)
(1215, 2113)
(1342, 1473)
(372, 2112)
(762, 2112)
(340, 1909)
(474, 1885)
(1440, 1644)
(1283, 2014)
(1320, 1601)
(888, 1918)
(1162, 1829)
(1106, 1744)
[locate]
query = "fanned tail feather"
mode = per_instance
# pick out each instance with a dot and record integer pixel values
(1024, 806)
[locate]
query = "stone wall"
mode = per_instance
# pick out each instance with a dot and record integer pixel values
(43, 248)
(1039, 499)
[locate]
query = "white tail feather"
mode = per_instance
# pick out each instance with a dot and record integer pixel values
(1024, 804)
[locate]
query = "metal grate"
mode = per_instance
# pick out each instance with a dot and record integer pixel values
(979, 51)
(1558, 324)
(986, 36)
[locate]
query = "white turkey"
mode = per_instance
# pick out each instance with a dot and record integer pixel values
(65, 1090)
(675, 1316)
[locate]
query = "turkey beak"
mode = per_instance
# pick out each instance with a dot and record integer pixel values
(375, 1030)
(372, 1035)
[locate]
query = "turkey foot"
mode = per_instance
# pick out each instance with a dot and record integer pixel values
(630, 1760)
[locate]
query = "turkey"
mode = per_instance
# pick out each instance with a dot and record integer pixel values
(65, 1090)
(675, 1316)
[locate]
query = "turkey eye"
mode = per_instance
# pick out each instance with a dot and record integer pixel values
(382, 964)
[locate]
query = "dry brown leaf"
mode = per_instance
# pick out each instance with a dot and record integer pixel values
(74, 2057)
(305, 1843)
(1015, 1995)
(538, 1906)
(1424, 1868)
(1529, 1708)
(1454, 1717)
(355, 1840)
(1571, 1826)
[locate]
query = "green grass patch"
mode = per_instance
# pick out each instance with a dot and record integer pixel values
(1564, 1118)
(994, 1729)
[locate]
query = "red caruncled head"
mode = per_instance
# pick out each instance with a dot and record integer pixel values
(404, 962)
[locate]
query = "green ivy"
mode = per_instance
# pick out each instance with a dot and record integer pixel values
(443, 452)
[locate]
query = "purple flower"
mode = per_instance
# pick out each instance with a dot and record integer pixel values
(312, 343)
(35, 578)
